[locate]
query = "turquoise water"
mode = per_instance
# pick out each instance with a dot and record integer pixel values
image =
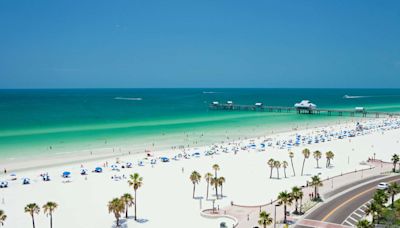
(33, 121)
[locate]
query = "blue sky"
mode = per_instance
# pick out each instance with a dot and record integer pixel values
(216, 43)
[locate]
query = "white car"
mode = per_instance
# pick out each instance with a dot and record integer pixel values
(382, 186)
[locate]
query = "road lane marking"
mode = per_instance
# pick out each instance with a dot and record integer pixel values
(351, 199)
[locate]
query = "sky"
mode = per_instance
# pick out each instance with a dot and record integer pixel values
(207, 43)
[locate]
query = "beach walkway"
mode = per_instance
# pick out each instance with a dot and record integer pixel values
(247, 215)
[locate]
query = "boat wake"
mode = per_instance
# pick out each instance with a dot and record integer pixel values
(128, 98)
(210, 92)
(356, 97)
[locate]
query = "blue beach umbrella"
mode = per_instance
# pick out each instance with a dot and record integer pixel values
(98, 170)
(66, 174)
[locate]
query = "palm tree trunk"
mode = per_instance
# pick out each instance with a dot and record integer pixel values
(135, 206)
(51, 220)
(301, 203)
(291, 161)
(284, 170)
(277, 171)
(117, 222)
(33, 221)
(126, 211)
(216, 190)
(392, 200)
(270, 175)
(296, 206)
(208, 186)
(302, 168)
(284, 218)
(317, 163)
(222, 195)
(194, 188)
(315, 192)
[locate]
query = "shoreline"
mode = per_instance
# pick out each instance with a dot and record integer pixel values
(96, 154)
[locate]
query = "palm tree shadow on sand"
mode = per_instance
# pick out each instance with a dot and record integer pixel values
(142, 220)
(123, 222)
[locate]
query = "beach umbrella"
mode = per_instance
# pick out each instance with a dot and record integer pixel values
(128, 165)
(26, 181)
(83, 171)
(66, 174)
(98, 170)
(114, 167)
(3, 184)
(196, 154)
(164, 159)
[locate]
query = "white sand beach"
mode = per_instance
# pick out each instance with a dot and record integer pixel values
(165, 199)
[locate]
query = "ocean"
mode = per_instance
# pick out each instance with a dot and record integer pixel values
(49, 122)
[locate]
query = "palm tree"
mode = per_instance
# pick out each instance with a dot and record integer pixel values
(48, 209)
(297, 194)
(221, 181)
(374, 210)
(216, 169)
(395, 159)
(117, 207)
(364, 224)
(195, 178)
(285, 198)
(136, 182)
(264, 219)
(277, 165)
(291, 155)
(380, 197)
(393, 190)
(301, 194)
(271, 165)
(32, 209)
(317, 155)
(316, 183)
(208, 177)
(284, 165)
(306, 154)
(3, 217)
(329, 156)
(128, 202)
(214, 182)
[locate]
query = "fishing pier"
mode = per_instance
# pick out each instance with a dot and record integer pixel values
(358, 111)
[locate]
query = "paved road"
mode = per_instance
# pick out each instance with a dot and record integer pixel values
(337, 210)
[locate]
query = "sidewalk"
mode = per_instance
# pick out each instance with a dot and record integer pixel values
(247, 216)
